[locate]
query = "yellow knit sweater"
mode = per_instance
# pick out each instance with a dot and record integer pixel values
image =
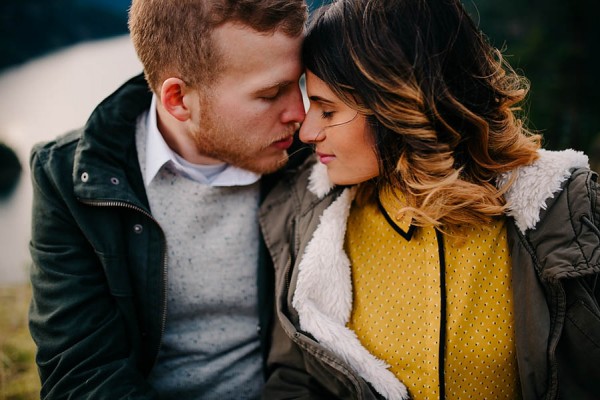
(425, 304)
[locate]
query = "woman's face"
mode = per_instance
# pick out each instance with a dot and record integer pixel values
(341, 136)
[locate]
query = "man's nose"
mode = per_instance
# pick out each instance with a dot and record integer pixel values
(295, 111)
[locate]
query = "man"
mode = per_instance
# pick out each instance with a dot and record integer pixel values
(145, 240)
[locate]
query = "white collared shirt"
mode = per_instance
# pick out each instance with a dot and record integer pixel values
(158, 153)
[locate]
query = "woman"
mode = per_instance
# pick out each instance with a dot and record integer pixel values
(438, 251)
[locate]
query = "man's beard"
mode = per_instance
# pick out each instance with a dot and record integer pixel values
(217, 139)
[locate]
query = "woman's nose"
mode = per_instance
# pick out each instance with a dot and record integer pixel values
(310, 133)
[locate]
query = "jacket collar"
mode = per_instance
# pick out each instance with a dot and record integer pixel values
(323, 294)
(106, 166)
(535, 184)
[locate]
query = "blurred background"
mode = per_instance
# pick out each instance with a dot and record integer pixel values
(59, 58)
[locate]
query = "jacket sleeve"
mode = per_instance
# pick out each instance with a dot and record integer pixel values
(83, 348)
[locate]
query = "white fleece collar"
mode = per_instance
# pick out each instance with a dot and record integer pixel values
(323, 295)
(533, 186)
(536, 183)
(318, 182)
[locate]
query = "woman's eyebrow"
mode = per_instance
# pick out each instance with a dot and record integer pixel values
(320, 99)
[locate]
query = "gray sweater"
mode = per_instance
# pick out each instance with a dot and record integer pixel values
(210, 345)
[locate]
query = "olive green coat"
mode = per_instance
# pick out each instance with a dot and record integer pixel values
(554, 240)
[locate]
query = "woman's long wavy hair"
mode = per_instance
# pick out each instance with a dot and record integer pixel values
(440, 101)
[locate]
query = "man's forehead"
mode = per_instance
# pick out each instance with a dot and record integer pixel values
(232, 39)
(272, 59)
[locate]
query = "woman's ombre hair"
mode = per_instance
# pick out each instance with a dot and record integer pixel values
(440, 101)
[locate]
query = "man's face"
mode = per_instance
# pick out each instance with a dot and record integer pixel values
(248, 116)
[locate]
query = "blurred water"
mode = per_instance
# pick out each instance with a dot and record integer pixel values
(40, 100)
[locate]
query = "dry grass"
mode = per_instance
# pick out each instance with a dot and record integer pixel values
(18, 374)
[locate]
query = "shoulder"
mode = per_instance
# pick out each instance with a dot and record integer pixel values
(579, 197)
(567, 237)
(301, 194)
(533, 187)
(563, 232)
(55, 154)
(291, 185)
(124, 104)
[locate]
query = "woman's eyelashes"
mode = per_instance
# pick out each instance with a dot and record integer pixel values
(327, 114)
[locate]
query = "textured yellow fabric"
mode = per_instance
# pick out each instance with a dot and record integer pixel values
(398, 305)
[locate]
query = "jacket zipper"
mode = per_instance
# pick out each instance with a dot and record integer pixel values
(293, 251)
(100, 203)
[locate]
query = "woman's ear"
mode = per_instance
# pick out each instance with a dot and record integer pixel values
(172, 97)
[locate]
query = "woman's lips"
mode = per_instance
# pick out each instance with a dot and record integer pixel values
(284, 144)
(325, 158)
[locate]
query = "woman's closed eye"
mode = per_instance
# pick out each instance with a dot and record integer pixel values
(327, 114)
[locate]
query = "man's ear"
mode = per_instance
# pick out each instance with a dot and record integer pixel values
(173, 98)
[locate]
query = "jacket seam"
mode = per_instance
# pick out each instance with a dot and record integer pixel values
(442, 335)
(572, 222)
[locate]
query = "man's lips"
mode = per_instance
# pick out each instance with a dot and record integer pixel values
(325, 158)
(284, 144)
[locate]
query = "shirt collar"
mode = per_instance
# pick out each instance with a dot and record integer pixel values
(158, 153)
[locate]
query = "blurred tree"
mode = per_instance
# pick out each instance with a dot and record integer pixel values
(314, 4)
(10, 171)
(554, 44)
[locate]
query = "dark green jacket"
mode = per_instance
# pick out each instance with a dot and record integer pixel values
(99, 259)
(554, 241)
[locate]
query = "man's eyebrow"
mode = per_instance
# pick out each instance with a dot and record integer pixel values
(319, 99)
(278, 85)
